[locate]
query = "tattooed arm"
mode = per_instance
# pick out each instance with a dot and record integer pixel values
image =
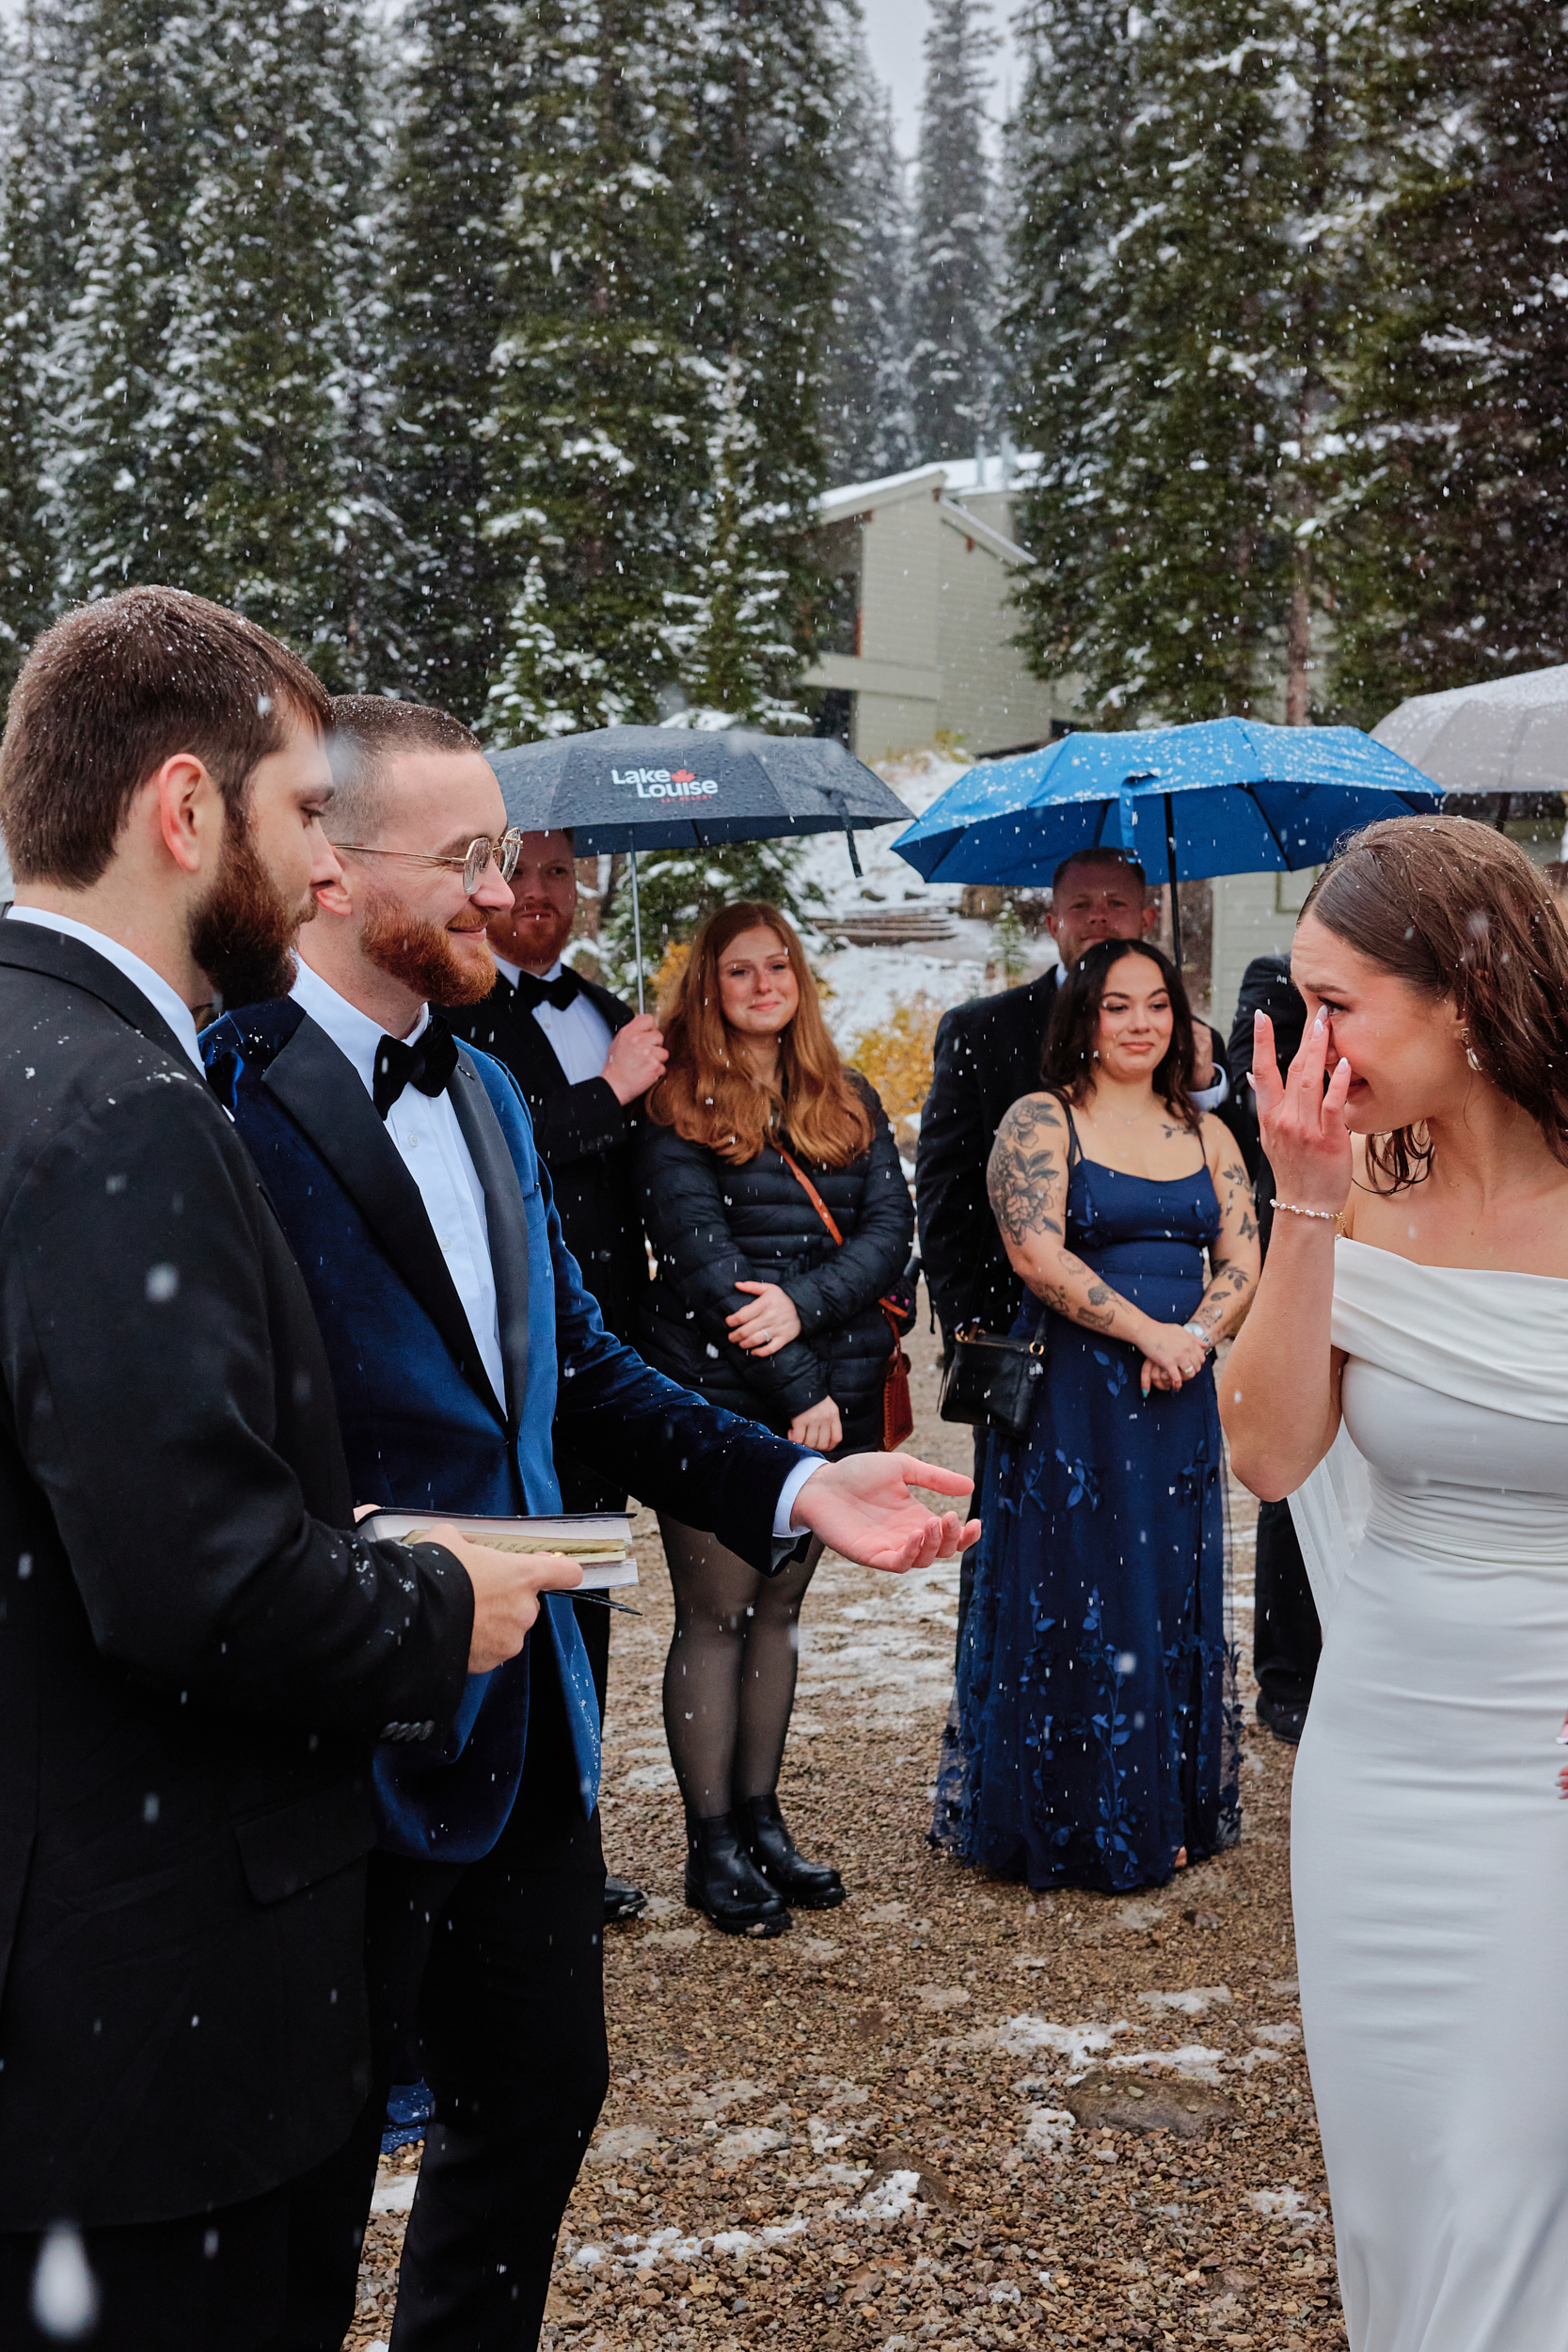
(1027, 1179)
(1235, 1258)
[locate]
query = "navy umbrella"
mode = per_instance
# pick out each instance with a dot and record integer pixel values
(635, 788)
(1223, 796)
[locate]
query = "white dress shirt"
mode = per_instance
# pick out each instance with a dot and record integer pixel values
(430, 1143)
(580, 1037)
(1201, 1098)
(141, 975)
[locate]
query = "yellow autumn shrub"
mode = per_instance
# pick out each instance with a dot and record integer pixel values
(896, 1055)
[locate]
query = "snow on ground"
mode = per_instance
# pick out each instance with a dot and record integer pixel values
(868, 984)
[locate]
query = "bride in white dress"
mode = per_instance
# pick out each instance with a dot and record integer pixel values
(1404, 1378)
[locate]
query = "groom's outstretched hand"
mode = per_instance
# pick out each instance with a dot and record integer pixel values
(865, 1508)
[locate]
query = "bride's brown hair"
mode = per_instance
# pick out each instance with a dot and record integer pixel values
(706, 1093)
(1457, 910)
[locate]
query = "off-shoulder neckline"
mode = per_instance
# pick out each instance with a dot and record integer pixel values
(1420, 1265)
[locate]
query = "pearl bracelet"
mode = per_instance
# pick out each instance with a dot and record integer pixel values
(1329, 1216)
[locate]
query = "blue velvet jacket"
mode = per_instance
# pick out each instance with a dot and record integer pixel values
(421, 1424)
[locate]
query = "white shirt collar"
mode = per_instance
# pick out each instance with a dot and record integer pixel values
(514, 971)
(352, 1032)
(141, 975)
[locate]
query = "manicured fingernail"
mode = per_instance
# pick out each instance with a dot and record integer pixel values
(1322, 1021)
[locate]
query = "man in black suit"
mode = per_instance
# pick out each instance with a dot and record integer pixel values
(196, 1654)
(1287, 1638)
(987, 1053)
(584, 1061)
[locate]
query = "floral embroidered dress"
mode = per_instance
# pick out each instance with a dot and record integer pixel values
(1095, 1727)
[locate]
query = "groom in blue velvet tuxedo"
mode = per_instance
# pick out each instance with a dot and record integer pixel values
(403, 1171)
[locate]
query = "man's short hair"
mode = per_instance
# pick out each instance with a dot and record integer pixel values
(367, 732)
(1093, 856)
(112, 690)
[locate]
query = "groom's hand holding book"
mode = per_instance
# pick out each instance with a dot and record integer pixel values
(507, 1585)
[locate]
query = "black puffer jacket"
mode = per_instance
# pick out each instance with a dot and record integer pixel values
(713, 1226)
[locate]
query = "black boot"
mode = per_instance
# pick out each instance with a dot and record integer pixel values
(812, 1885)
(720, 1881)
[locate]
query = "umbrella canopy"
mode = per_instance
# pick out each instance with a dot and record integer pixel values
(681, 788)
(636, 789)
(1225, 796)
(1508, 736)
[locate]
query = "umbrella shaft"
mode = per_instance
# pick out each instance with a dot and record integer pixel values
(636, 934)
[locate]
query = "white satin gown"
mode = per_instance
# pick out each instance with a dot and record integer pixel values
(1430, 1845)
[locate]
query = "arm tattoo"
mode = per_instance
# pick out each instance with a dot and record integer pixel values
(1025, 1172)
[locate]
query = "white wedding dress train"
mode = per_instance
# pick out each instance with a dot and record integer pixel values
(1430, 1845)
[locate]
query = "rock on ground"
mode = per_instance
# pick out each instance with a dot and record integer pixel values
(861, 2134)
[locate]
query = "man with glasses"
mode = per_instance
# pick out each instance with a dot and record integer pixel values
(583, 1060)
(462, 1342)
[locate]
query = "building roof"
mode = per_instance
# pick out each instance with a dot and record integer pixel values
(957, 477)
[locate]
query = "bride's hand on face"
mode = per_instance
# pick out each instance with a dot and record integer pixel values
(1305, 1140)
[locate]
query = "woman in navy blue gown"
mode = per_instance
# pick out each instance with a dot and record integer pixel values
(1094, 1739)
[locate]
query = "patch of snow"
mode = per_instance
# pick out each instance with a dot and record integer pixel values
(755, 2140)
(1276, 2033)
(621, 2141)
(1079, 2045)
(395, 2194)
(1288, 2204)
(1199, 2064)
(677, 1939)
(893, 2198)
(1198, 2003)
(1048, 2131)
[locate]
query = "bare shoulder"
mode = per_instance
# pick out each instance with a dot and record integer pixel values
(1034, 1118)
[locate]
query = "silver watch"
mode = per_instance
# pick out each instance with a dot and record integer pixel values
(1199, 1333)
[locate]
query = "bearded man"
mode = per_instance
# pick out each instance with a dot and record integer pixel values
(583, 1060)
(463, 1343)
(196, 1652)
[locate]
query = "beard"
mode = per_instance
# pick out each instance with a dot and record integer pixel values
(422, 954)
(242, 937)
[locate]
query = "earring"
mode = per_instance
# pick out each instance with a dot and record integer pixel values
(1469, 1049)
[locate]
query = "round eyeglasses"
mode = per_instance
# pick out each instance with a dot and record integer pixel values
(475, 863)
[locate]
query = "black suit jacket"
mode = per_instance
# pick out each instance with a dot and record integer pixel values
(196, 1655)
(585, 1137)
(987, 1053)
(1266, 987)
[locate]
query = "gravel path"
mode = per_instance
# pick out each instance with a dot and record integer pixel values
(862, 2133)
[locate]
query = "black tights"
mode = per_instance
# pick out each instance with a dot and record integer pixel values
(729, 1680)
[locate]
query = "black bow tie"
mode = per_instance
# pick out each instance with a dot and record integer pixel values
(427, 1064)
(558, 992)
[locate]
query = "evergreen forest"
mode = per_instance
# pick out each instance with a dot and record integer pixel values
(496, 352)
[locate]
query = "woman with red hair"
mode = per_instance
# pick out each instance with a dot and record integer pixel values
(760, 1308)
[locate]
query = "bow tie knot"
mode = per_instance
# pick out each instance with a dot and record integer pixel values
(560, 991)
(427, 1064)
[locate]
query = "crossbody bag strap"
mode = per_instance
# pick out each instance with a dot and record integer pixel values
(831, 1222)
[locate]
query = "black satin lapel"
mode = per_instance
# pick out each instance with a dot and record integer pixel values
(31, 949)
(506, 1219)
(322, 1093)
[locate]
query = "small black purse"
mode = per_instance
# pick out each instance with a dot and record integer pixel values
(994, 1380)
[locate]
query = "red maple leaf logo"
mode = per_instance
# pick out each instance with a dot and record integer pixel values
(681, 775)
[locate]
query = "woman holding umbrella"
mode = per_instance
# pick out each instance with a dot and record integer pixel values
(780, 1216)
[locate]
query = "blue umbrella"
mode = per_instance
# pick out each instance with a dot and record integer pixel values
(1227, 796)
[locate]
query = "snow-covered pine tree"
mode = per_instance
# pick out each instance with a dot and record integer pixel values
(1452, 540)
(260, 362)
(26, 553)
(867, 426)
(1178, 306)
(767, 248)
(451, 182)
(120, 506)
(598, 427)
(952, 284)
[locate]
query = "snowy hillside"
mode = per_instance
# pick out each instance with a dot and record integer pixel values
(869, 983)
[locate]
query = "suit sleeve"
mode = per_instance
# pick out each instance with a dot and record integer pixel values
(681, 1187)
(578, 1122)
(676, 1452)
(874, 1255)
(954, 1212)
(137, 1323)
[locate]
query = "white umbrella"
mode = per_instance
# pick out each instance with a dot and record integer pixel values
(1510, 734)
